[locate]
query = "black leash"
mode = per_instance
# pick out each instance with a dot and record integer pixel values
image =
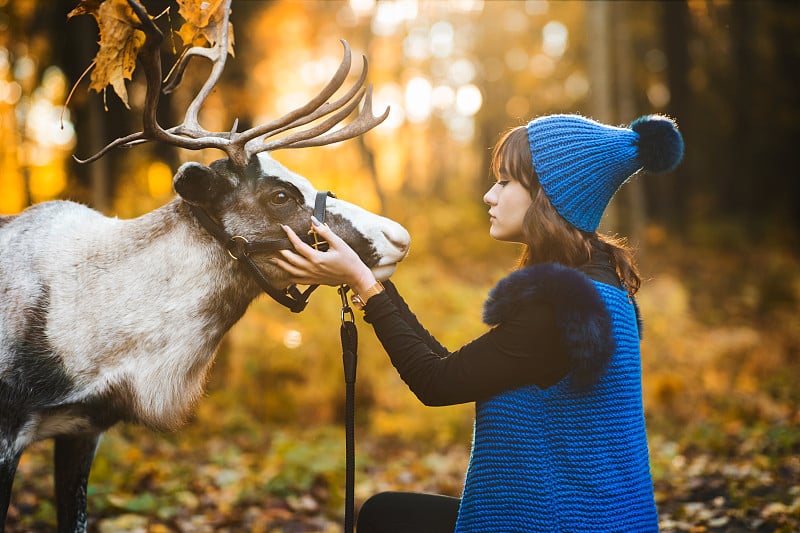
(349, 337)
(240, 249)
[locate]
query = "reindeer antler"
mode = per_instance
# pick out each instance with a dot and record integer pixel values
(240, 146)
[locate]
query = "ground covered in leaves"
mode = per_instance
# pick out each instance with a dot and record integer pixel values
(249, 480)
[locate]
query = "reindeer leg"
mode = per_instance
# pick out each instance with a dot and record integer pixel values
(74, 455)
(8, 467)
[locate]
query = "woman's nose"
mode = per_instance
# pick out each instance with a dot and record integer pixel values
(489, 198)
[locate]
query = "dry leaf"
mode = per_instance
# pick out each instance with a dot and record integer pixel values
(86, 7)
(120, 43)
(203, 24)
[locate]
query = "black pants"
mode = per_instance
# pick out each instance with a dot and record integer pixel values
(408, 512)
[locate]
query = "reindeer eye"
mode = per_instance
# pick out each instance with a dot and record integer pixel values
(279, 198)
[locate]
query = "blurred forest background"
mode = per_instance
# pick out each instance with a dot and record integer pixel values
(717, 240)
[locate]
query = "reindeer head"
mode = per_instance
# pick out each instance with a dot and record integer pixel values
(249, 194)
(254, 203)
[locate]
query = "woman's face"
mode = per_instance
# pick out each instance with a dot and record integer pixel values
(508, 201)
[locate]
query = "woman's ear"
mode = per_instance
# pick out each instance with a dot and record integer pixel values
(200, 185)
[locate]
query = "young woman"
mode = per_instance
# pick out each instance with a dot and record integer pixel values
(559, 441)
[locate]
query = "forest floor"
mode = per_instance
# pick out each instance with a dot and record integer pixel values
(154, 483)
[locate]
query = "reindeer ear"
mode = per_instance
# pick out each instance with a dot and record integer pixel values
(199, 184)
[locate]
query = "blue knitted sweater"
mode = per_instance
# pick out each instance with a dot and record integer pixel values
(568, 458)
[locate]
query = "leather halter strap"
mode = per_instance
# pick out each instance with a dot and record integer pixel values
(240, 249)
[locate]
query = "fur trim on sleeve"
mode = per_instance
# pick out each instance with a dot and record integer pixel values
(583, 319)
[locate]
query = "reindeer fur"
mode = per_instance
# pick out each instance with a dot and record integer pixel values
(105, 320)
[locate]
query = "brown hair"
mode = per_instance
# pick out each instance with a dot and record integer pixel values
(548, 237)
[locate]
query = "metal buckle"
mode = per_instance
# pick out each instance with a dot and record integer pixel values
(317, 243)
(320, 207)
(347, 312)
(237, 247)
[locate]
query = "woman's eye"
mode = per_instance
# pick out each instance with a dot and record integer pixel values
(279, 198)
(502, 183)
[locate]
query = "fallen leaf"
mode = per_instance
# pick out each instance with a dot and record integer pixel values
(130, 523)
(773, 509)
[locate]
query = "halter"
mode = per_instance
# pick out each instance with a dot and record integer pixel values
(240, 249)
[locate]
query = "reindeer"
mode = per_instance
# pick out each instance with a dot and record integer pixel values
(105, 320)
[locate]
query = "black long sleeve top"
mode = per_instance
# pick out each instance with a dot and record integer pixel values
(501, 359)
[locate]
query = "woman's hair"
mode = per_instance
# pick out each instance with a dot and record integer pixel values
(548, 237)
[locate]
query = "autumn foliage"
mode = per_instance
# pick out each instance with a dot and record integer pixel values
(121, 40)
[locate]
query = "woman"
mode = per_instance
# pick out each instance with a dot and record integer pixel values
(559, 441)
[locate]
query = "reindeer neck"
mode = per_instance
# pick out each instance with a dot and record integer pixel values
(228, 287)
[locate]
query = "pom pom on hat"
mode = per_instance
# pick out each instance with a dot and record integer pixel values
(582, 163)
(660, 143)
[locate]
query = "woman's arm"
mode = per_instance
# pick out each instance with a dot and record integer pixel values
(521, 351)
(411, 319)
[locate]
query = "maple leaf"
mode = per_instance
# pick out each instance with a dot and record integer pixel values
(119, 43)
(203, 24)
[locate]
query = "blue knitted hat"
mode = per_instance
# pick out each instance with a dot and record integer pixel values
(581, 163)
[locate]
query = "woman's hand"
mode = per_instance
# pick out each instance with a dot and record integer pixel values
(339, 264)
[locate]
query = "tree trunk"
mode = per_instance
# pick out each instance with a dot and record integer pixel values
(744, 71)
(598, 20)
(670, 195)
(632, 193)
